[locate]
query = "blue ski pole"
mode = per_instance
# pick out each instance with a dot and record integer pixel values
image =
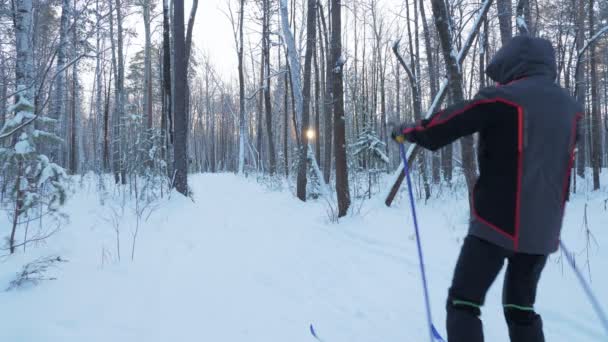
(594, 302)
(434, 334)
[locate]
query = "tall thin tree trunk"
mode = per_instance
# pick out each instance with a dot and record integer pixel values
(181, 89)
(242, 122)
(3, 91)
(505, 12)
(310, 49)
(596, 118)
(147, 65)
(117, 113)
(580, 88)
(317, 107)
(267, 89)
(327, 101)
(167, 114)
(58, 111)
(99, 117)
(260, 111)
(413, 73)
(285, 118)
(436, 156)
(73, 161)
(342, 188)
(106, 127)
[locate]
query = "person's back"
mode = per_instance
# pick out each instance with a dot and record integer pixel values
(534, 139)
(527, 134)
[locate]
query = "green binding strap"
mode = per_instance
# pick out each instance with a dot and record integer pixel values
(466, 303)
(518, 307)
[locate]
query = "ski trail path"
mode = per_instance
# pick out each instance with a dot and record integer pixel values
(242, 263)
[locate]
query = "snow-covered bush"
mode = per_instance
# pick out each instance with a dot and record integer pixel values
(368, 154)
(33, 187)
(35, 272)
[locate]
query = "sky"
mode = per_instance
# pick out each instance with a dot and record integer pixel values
(212, 34)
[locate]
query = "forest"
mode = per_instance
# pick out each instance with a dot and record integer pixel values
(122, 88)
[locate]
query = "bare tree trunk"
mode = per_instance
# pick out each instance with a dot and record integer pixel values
(455, 85)
(580, 87)
(310, 49)
(147, 65)
(260, 110)
(596, 118)
(317, 107)
(342, 188)
(327, 100)
(181, 88)
(242, 122)
(167, 115)
(267, 89)
(106, 127)
(505, 12)
(73, 160)
(118, 89)
(99, 117)
(436, 156)
(285, 118)
(211, 118)
(416, 93)
(3, 91)
(58, 110)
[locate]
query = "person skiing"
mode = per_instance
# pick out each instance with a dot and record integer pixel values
(527, 127)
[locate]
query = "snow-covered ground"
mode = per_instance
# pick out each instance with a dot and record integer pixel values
(242, 263)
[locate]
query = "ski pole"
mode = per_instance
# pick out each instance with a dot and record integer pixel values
(594, 302)
(433, 333)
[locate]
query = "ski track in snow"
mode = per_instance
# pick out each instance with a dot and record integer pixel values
(242, 263)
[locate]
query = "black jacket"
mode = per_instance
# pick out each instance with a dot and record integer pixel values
(527, 133)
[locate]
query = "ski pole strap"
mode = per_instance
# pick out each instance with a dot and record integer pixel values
(588, 291)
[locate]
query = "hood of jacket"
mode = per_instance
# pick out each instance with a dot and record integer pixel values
(523, 56)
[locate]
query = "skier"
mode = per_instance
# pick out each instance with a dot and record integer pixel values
(527, 127)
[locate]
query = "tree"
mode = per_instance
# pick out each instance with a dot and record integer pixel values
(167, 103)
(238, 39)
(505, 13)
(327, 98)
(579, 85)
(337, 65)
(310, 48)
(436, 160)
(146, 9)
(453, 67)
(119, 91)
(180, 179)
(266, 88)
(596, 118)
(60, 98)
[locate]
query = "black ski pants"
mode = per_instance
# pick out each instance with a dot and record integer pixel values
(478, 265)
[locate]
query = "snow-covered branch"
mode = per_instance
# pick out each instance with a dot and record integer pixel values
(592, 40)
(408, 70)
(474, 30)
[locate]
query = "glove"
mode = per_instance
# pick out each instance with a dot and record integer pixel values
(398, 134)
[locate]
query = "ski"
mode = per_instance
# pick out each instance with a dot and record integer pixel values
(314, 334)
